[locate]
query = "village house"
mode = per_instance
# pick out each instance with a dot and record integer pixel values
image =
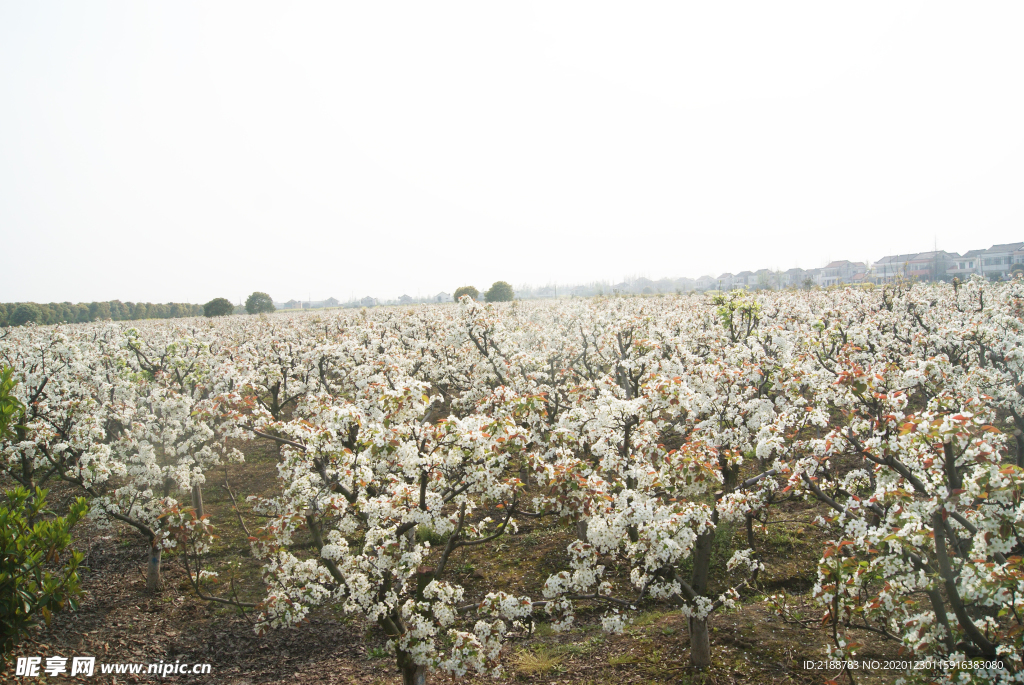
(930, 266)
(794, 278)
(664, 285)
(997, 261)
(685, 284)
(966, 264)
(581, 291)
(643, 285)
(839, 272)
(743, 278)
(766, 279)
(889, 268)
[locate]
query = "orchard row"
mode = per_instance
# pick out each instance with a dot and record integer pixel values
(649, 422)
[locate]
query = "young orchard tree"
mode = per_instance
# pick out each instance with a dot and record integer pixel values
(531, 368)
(185, 366)
(36, 577)
(997, 348)
(359, 477)
(37, 366)
(270, 357)
(118, 432)
(441, 356)
(926, 497)
(176, 426)
(654, 507)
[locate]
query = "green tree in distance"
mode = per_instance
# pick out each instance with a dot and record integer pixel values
(466, 290)
(24, 314)
(218, 306)
(259, 303)
(500, 291)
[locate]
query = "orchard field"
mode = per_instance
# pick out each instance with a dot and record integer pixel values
(708, 488)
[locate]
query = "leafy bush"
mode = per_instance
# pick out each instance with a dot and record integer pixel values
(28, 552)
(466, 290)
(10, 407)
(26, 588)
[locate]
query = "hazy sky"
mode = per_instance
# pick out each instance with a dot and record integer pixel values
(184, 151)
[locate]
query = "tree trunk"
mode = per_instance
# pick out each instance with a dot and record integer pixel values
(197, 499)
(581, 530)
(153, 581)
(414, 675)
(700, 644)
(731, 476)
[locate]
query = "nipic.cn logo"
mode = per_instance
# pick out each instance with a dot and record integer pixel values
(33, 667)
(55, 665)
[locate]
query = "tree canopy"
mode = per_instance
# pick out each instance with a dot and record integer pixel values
(259, 303)
(500, 291)
(466, 290)
(83, 312)
(25, 313)
(218, 306)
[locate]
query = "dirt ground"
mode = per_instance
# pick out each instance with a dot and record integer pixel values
(119, 621)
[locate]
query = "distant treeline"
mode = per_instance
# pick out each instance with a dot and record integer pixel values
(18, 313)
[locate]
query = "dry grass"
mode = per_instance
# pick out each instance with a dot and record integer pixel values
(538, 662)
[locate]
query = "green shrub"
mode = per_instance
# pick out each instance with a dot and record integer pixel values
(11, 408)
(428, 534)
(27, 588)
(466, 290)
(36, 577)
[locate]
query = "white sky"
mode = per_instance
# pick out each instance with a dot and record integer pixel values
(184, 151)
